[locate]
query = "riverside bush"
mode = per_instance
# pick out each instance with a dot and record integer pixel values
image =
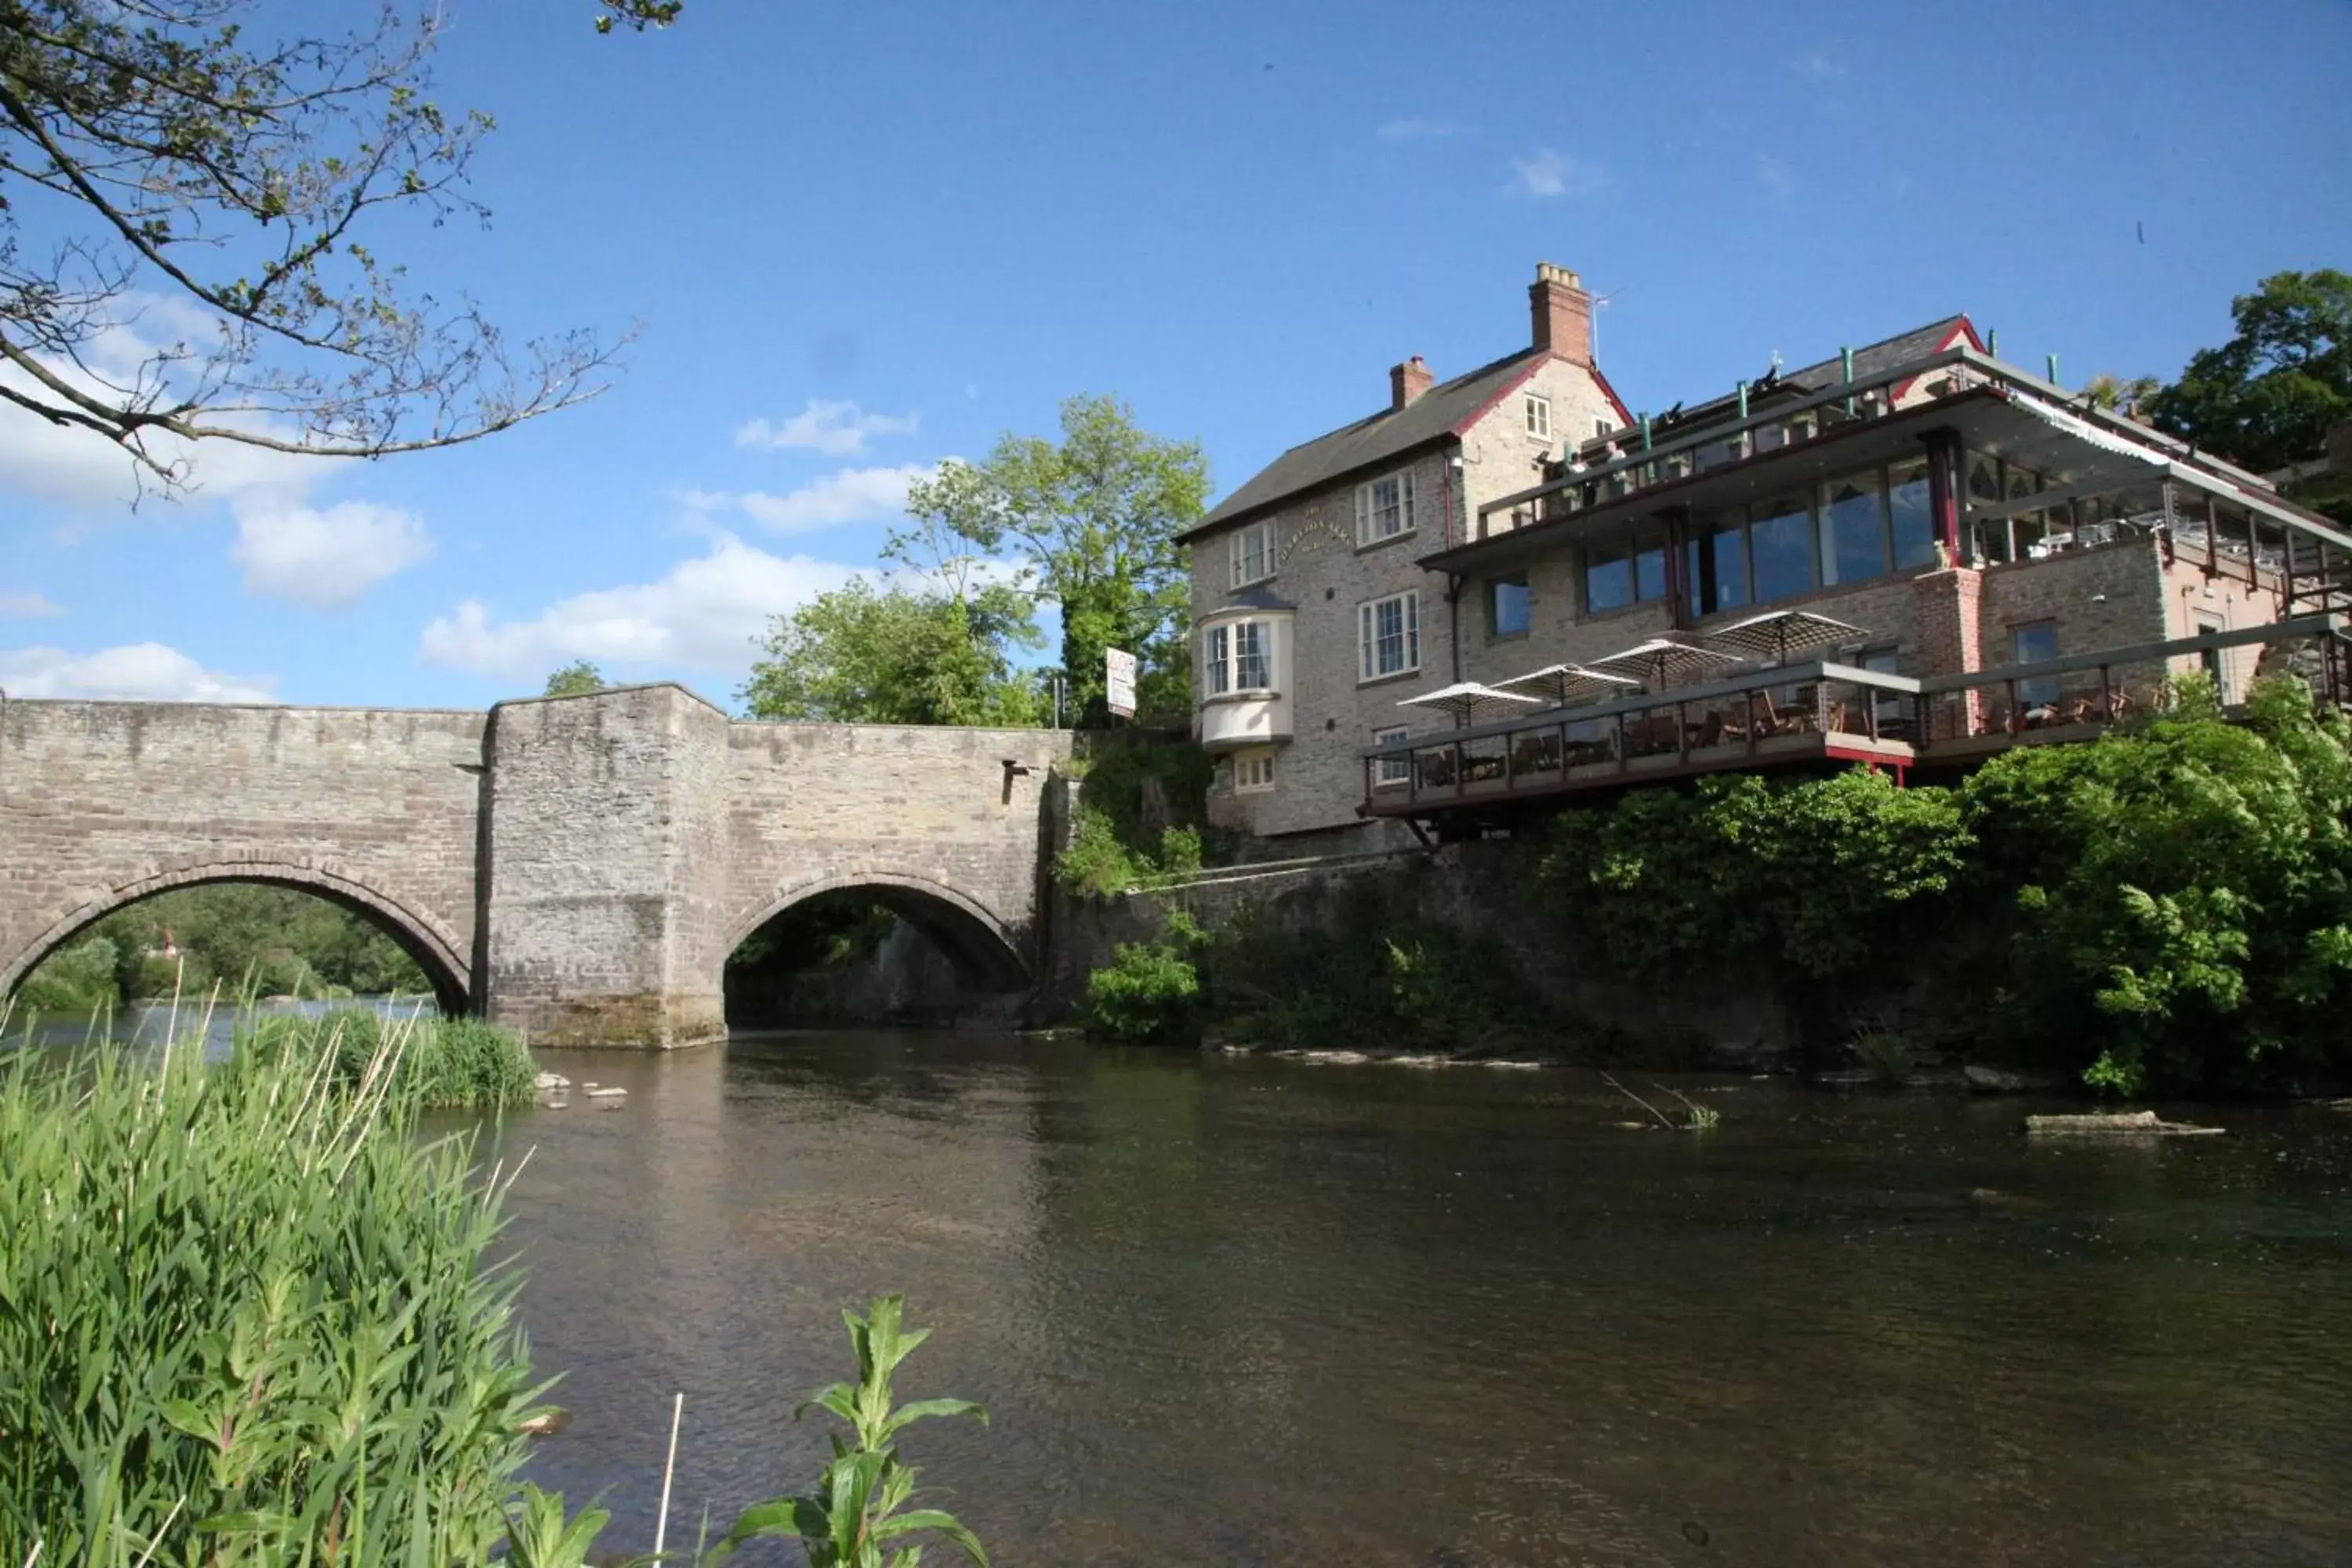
(1151, 991)
(250, 1317)
(446, 1063)
(2168, 907)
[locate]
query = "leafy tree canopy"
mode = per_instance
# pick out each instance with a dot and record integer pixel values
(1095, 517)
(2266, 397)
(185, 223)
(578, 679)
(869, 654)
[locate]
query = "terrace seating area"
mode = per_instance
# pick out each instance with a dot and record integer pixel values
(1771, 692)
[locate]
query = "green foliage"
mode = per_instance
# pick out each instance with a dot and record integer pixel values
(443, 1063)
(865, 655)
(1150, 993)
(2167, 908)
(831, 930)
(578, 679)
(242, 935)
(1117, 842)
(1370, 968)
(2182, 918)
(857, 1516)
(76, 979)
(251, 1318)
(1822, 876)
(1099, 863)
(2266, 397)
(1094, 518)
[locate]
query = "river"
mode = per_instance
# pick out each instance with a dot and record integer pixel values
(1240, 1310)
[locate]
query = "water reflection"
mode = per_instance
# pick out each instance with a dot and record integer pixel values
(147, 1024)
(1248, 1311)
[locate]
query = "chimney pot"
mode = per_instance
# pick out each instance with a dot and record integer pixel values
(1408, 381)
(1563, 313)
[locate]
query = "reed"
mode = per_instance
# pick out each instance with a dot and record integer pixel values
(250, 1316)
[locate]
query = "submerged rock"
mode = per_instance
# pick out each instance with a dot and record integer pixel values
(547, 1081)
(2111, 1122)
(613, 1092)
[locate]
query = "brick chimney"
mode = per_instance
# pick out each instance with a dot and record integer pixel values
(1562, 312)
(1408, 381)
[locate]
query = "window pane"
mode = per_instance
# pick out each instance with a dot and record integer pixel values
(1507, 606)
(1253, 657)
(1853, 529)
(1915, 519)
(1781, 533)
(1649, 564)
(2030, 644)
(1607, 576)
(1394, 770)
(2025, 529)
(1213, 662)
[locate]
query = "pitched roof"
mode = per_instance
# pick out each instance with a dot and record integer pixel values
(1388, 434)
(1868, 361)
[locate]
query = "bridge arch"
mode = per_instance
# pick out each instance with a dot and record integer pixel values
(433, 949)
(973, 936)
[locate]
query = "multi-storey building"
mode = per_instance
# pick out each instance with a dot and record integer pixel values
(1961, 519)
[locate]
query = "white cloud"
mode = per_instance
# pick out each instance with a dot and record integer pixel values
(138, 672)
(1817, 67)
(853, 495)
(703, 615)
(326, 560)
(836, 429)
(1416, 128)
(29, 607)
(1546, 173)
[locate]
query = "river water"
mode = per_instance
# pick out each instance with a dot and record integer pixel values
(1240, 1310)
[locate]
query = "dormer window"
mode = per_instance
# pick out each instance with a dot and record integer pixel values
(1252, 554)
(1539, 415)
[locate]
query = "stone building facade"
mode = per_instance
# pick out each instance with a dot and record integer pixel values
(1323, 550)
(1954, 514)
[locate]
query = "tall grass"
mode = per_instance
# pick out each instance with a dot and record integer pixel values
(246, 1317)
(442, 1062)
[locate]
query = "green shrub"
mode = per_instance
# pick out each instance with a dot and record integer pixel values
(1099, 863)
(76, 979)
(251, 1318)
(1150, 993)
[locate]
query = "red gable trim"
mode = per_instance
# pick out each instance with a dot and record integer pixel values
(1521, 380)
(1965, 331)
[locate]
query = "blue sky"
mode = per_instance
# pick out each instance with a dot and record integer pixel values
(862, 240)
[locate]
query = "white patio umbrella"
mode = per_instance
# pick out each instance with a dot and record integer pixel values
(1778, 633)
(1566, 683)
(1465, 698)
(1661, 657)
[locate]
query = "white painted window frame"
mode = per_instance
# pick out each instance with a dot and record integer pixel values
(1253, 772)
(1369, 637)
(1535, 410)
(1392, 773)
(1369, 509)
(1237, 555)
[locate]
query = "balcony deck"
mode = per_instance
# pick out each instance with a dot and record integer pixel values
(1810, 714)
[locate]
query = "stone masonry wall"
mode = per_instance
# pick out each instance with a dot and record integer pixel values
(1319, 774)
(577, 867)
(102, 802)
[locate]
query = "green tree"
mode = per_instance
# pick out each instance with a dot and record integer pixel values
(578, 679)
(869, 654)
(1094, 518)
(2119, 396)
(2266, 397)
(158, 152)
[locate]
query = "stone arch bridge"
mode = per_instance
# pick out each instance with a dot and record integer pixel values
(578, 868)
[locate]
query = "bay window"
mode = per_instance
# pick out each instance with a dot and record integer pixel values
(1237, 656)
